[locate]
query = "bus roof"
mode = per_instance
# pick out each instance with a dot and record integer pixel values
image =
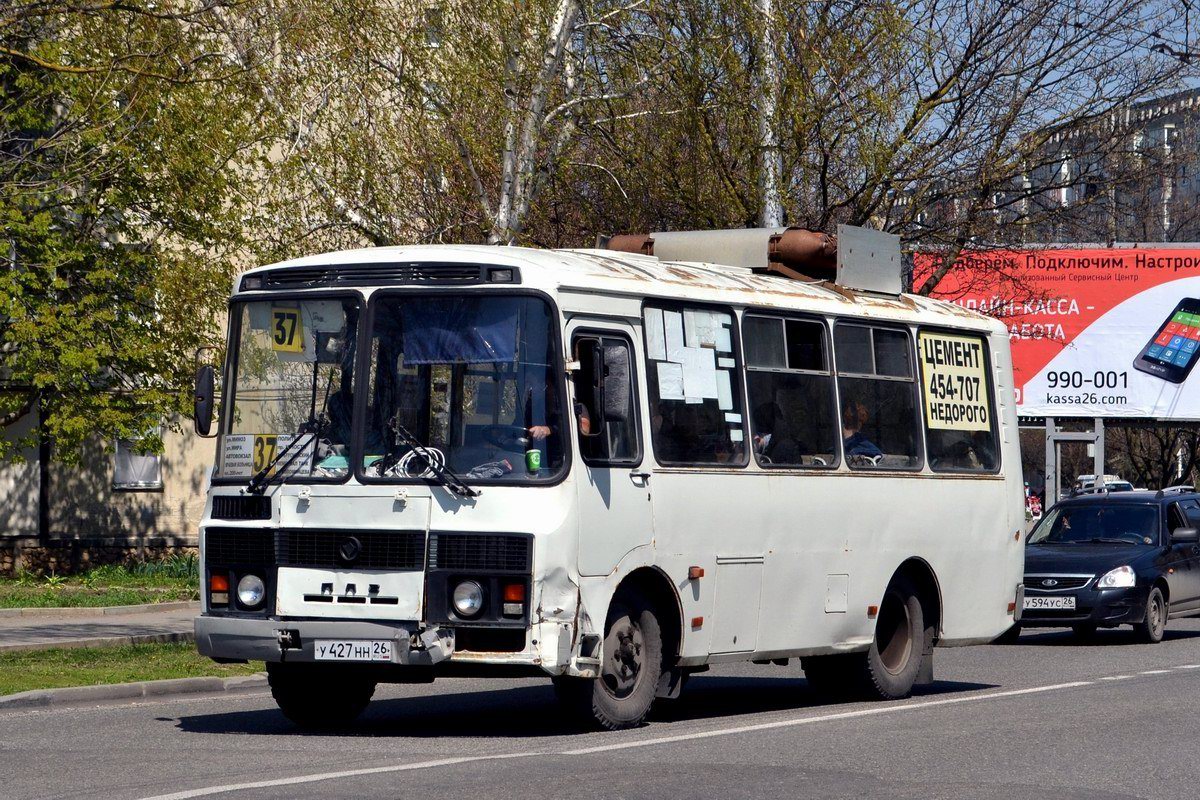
(618, 273)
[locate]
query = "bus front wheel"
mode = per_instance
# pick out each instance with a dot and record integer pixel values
(313, 698)
(629, 671)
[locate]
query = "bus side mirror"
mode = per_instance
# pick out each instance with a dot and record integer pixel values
(203, 400)
(1185, 536)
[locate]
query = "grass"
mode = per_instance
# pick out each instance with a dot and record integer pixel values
(173, 578)
(49, 669)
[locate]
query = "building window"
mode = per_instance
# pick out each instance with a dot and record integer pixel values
(134, 470)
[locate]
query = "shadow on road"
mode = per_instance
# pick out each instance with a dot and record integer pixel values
(532, 711)
(1105, 637)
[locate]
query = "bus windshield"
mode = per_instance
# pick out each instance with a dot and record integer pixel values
(473, 379)
(292, 379)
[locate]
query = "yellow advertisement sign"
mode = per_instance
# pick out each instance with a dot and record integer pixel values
(955, 382)
(287, 331)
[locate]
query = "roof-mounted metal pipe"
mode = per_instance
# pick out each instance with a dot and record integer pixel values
(791, 252)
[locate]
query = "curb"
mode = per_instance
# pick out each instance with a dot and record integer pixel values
(86, 695)
(100, 611)
(100, 641)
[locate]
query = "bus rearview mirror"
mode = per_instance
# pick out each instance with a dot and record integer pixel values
(203, 399)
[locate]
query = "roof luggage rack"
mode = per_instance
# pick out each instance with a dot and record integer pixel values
(1180, 489)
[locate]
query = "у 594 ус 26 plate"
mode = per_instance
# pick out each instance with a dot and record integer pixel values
(1058, 603)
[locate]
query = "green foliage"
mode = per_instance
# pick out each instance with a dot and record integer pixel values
(174, 577)
(120, 219)
(48, 669)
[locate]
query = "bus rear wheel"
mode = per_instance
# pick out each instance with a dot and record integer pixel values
(888, 670)
(630, 669)
(316, 698)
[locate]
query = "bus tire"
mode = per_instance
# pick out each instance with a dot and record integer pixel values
(630, 670)
(890, 666)
(314, 698)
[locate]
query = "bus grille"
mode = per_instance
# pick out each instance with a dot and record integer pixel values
(473, 551)
(234, 546)
(399, 550)
(241, 507)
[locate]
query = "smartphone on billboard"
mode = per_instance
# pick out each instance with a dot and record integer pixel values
(1175, 347)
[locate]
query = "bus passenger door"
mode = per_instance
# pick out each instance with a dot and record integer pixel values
(613, 488)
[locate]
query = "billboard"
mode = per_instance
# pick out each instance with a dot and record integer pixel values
(1095, 332)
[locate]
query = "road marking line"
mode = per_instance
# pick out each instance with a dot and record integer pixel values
(328, 776)
(1188, 666)
(1154, 672)
(1116, 678)
(791, 723)
(787, 723)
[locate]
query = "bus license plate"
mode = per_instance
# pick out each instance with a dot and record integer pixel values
(1057, 603)
(353, 649)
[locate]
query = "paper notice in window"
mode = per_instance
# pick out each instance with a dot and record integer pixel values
(673, 332)
(670, 381)
(656, 341)
(699, 373)
(706, 329)
(724, 392)
(690, 339)
(726, 363)
(735, 434)
(723, 341)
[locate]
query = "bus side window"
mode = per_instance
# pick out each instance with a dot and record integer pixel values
(880, 428)
(692, 373)
(791, 392)
(613, 441)
(960, 415)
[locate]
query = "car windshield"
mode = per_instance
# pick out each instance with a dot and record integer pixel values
(292, 378)
(1116, 524)
(473, 379)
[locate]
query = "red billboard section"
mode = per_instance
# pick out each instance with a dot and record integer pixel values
(1097, 332)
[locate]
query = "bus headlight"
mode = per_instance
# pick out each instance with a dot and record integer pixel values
(1119, 578)
(251, 590)
(468, 599)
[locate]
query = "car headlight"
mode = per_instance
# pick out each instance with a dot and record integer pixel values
(251, 590)
(1121, 577)
(468, 598)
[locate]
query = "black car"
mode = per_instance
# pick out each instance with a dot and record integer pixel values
(1105, 559)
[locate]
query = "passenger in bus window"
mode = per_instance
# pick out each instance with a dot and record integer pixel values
(854, 417)
(772, 441)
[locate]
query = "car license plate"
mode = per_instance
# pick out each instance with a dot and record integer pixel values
(352, 650)
(1057, 603)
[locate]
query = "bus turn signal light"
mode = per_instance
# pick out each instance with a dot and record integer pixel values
(218, 583)
(514, 593)
(695, 573)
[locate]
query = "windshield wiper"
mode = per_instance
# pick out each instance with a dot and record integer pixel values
(1109, 540)
(444, 475)
(314, 427)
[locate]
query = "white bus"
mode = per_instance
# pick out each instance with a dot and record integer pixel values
(601, 467)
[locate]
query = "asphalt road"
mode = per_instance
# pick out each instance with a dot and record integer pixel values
(1048, 717)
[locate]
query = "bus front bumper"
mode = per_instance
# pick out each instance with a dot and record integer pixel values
(242, 639)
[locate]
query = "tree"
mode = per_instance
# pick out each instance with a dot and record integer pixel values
(119, 213)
